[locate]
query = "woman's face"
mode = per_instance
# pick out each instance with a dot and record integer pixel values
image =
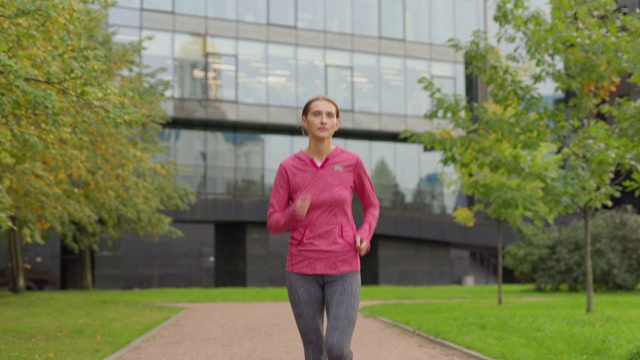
(321, 121)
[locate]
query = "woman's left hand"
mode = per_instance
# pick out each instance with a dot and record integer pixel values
(362, 246)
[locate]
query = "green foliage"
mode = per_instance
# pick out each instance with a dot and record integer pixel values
(553, 257)
(523, 159)
(79, 118)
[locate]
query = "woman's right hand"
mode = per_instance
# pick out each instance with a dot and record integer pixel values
(302, 205)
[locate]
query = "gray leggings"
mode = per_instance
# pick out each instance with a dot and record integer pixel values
(309, 296)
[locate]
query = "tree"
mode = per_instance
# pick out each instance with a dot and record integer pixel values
(587, 52)
(83, 116)
(491, 146)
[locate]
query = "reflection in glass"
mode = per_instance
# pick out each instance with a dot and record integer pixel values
(221, 71)
(392, 85)
(408, 169)
(128, 17)
(392, 19)
(311, 14)
(446, 84)
(189, 66)
(125, 35)
(366, 83)
(252, 11)
(339, 85)
(129, 3)
(282, 75)
(442, 21)
(157, 54)
(221, 75)
(310, 73)
(338, 17)
(240, 164)
(190, 7)
(252, 74)
(276, 149)
(365, 17)
(468, 18)
(417, 99)
(222, 9)
(362, 148)
(162, 5)
(383, 174)
(282, 12)
(417, 20)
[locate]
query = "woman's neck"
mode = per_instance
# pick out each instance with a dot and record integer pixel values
(319, 150)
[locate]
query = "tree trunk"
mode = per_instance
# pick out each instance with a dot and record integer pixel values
(87, 269)
(17, 265)
(500, 262)
(587, 258)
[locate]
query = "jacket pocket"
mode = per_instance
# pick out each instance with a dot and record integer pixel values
(297, 235)
(347, 236)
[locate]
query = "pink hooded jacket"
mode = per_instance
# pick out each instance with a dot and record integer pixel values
(324, 242)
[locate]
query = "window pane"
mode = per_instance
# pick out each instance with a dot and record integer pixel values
(338, 16)
(446, 84)
(276, 149)
(190, 7)
(442, 20)
(310, 73)
(362, 148)
(222, 69)
(441, 68)
(162, 5)
(417, 20)
(221, 73)
(417, 98)
(383, 174)
(252, 76)
(189, 66)
(128, 17)
(311, 14)
(392, 85)
(392, 18)
(222, 9)
(125, 35)
(129, 3)
(366, 83)
(339, 75)
(158, 54)
(339, 85)
(365, 17)
(468, 16)
(429, 196)
(282, 12)
(282, 75)
(252, 11)
(407, 164)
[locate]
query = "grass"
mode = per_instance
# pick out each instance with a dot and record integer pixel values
(529, 325)
(555, 327)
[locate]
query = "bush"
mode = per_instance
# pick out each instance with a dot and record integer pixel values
(553, 257)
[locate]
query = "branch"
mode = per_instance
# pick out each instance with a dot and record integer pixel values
(55, 85)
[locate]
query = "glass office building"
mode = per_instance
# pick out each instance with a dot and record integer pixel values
(240, 72)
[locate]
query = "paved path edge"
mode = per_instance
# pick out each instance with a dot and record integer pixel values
(142, 338)
(432, 338)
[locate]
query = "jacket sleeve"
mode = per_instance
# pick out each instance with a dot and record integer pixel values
(280, 214)
(370, 205)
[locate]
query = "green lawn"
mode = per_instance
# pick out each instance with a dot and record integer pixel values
(529, 325)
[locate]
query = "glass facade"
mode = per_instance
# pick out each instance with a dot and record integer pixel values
(265, 73)
(424, 21)
(255, 72)
(244, 164)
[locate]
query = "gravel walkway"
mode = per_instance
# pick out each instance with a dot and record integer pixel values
(267, 331)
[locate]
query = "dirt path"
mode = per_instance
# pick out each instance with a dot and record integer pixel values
(267, 331)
